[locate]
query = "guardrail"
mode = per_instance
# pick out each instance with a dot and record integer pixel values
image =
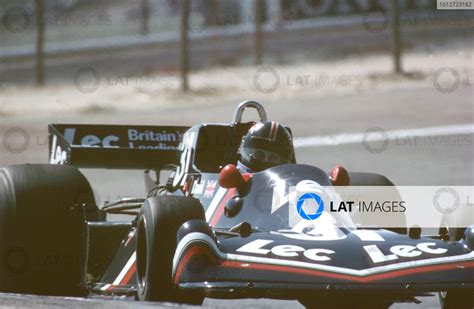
(229, 32)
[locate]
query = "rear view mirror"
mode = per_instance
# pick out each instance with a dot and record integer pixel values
(233, 206)
(339, 176)
(230, 177)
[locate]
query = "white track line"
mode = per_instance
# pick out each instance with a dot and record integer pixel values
(380, 135)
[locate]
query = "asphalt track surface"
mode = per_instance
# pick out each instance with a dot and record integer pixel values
(409, 161)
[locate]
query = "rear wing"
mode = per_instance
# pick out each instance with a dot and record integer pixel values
(115, 146)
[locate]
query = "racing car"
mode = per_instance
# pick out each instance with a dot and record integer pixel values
(208, 230)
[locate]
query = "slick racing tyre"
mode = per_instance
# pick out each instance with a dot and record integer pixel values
(457, 299)
(158, 223)
(373, 180)
(42, 227)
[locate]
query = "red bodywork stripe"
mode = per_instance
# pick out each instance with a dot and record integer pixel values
(220, 209)
(126, 278)
(187, 256)
(311, 272)
(129, 274)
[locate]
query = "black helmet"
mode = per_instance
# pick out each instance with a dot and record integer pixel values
(267, 144)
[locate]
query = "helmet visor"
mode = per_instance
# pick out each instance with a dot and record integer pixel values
(264, 157)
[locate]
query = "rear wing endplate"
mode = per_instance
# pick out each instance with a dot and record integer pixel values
(115, 146)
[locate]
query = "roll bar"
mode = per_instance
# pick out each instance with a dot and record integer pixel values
(249, 104)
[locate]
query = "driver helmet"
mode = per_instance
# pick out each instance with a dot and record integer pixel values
(266, 144)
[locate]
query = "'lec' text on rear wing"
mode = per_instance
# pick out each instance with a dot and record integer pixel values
(115, 146)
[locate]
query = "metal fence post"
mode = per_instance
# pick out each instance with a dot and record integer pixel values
(39, 9)
(184, 51)
(212, 20)
(258, 32)
(395, 29)
(145, 10)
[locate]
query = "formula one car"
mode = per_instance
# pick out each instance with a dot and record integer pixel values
(209, 231)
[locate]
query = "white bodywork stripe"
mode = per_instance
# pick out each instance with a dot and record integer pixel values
(215, 202)
(368, 235)
(105, 287)
(127, 267)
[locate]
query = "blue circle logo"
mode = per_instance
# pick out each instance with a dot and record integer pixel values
(317, 199)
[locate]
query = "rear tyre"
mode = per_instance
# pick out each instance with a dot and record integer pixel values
(158, 223)
(42, 229)
(453, 234)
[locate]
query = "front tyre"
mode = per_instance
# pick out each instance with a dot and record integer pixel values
(42, 229)
(457, 299)
(158, 223)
